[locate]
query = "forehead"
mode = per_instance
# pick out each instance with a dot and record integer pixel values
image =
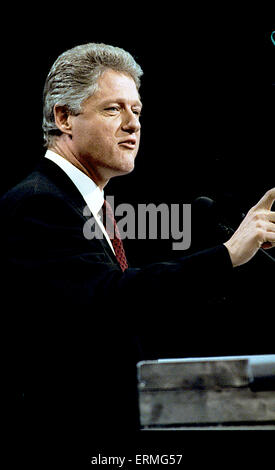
(114, 85)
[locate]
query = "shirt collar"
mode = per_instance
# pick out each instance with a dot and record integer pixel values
(91, 193)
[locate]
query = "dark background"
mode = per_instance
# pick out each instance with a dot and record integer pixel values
(208, 120)
(207, 129)
(208, 92)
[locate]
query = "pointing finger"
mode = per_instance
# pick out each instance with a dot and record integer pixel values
(267, 200)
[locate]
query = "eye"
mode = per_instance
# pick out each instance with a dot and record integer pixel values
(137, 112)
(112, 108)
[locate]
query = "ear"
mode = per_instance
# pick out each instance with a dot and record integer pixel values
(63, 119)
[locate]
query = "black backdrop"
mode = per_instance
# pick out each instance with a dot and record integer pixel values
(207, 126)
(208, 92)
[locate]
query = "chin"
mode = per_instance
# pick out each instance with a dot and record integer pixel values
(126, 170)
(121, 166)
(122, 170)
(127, 165)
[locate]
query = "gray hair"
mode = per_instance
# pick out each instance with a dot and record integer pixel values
(74, 77)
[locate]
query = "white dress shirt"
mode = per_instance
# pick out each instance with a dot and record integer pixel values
(91, 193)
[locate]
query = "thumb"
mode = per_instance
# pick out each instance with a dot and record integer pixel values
(267, 200)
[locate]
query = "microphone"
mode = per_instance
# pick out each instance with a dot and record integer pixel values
(204, 203)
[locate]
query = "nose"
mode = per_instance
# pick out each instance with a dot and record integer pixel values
(131, 122)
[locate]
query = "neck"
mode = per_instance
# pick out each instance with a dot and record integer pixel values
(61, 147)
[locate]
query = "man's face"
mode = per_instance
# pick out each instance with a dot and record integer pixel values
(106, 134)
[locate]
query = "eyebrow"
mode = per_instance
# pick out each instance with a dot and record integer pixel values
(121, 100)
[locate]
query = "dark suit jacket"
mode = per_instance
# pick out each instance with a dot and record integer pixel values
(74, 316)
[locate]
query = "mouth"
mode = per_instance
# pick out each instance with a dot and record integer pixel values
(128, 143)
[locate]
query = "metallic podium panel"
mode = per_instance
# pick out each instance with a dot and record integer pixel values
(216, 391)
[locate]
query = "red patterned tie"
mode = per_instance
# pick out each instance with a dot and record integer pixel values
(114, 235)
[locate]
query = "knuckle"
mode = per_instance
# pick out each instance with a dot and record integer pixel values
(260, 215)
(259, 234)
(256, 218)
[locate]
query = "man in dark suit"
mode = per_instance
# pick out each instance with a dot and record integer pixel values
(75, 308)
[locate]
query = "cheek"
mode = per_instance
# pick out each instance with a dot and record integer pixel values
(99, 136)
(89, 138)
(103, 145)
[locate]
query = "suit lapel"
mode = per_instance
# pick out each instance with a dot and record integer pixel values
(69, 191)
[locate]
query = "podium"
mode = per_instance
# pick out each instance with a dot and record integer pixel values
(231, 392)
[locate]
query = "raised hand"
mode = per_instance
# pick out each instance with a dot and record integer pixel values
(257, 230)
